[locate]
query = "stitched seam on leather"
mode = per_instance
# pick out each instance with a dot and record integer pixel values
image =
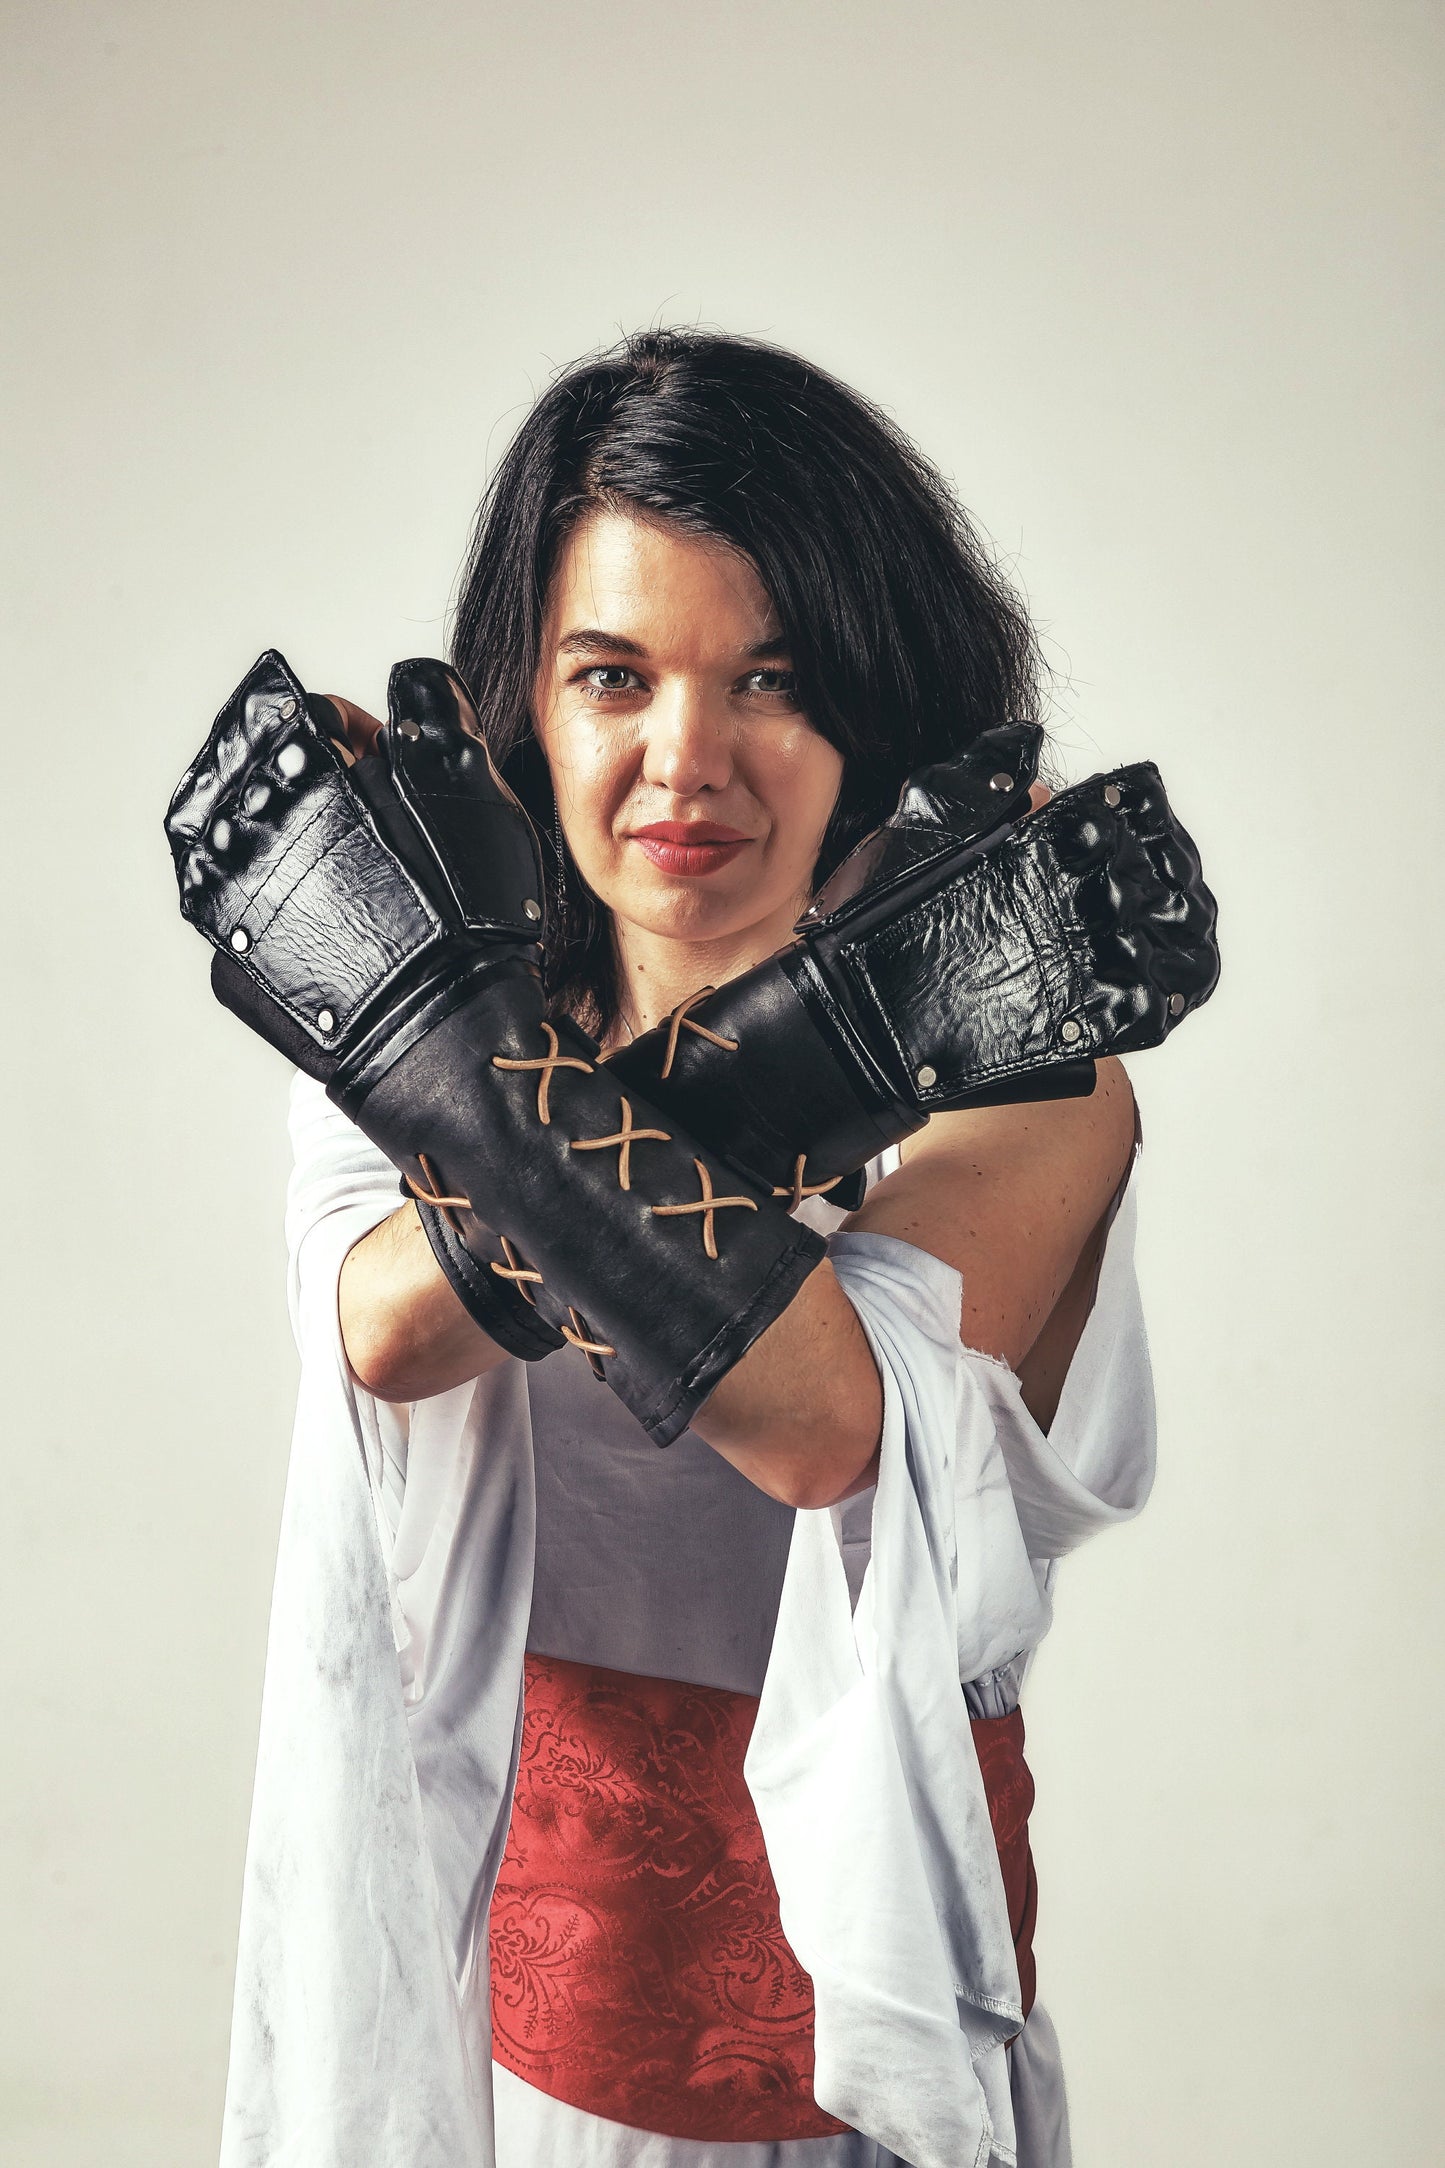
(1042, 893)
(888, 941)
(855, 957)
(230, 811)
(1078, 942)
(398, 961)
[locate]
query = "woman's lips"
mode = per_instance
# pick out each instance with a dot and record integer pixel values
(689, 847)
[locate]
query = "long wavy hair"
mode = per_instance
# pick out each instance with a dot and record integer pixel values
(906, 638)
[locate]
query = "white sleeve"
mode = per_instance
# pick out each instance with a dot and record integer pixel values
(389, 1730)
(341, 1187)
(348, 2040)
(862, 1763)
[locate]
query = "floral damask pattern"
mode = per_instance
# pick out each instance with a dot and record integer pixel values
(639, 1967)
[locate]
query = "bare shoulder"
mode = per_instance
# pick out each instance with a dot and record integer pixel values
(1012, 1197)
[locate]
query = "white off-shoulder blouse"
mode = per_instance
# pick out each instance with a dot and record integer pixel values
(424, 1549)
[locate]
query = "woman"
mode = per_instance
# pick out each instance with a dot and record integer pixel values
(717, 611)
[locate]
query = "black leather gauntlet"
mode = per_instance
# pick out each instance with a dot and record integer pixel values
(378, 921)
(962, 956)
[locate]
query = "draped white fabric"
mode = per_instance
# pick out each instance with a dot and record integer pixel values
(391, 1715)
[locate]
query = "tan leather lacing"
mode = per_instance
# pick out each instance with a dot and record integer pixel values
(518, 1271)
(680, 1021)
(433, 1196)
(579, 1335)
(799, 1189)
(546, 1063)
(624, 1139)
(707, 1204)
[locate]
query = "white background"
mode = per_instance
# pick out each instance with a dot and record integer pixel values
(1159, 286)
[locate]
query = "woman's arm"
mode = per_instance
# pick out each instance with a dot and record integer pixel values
(1015, 1199)
(405, 1332)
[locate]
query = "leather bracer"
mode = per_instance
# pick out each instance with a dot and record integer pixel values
(956, 959)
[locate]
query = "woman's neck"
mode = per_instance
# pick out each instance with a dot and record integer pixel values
(655, 973)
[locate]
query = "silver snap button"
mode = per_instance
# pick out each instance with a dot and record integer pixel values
(240, 940)
(1112, 794)
(1000, 782)
(325, 1020)
(927, 1076)
(286, 710)
(530, 907)
(1071, 1031)
(1176, 1004)
(409, 727)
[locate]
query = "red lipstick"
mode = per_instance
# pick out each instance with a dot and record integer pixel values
(689, 847)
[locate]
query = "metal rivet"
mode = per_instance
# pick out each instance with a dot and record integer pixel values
(927, 1076)
(1112, 794)
(409, 727)
(286, 710)
(530, 907)
(1071, 1030)
(325, 1020)
(240, 940)
(1176, 1004)
(1000, 781)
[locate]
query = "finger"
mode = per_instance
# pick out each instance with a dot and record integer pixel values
(1039, 795)
(361, 730)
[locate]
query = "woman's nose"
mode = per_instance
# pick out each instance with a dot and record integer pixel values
(689, 742)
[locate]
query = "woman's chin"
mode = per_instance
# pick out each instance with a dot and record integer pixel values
(685, 911)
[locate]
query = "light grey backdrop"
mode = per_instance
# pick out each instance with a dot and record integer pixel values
(1158, 285)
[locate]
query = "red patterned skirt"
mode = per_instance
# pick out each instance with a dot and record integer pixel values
(639, 1967)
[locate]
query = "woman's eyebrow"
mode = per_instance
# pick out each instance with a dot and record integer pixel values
(591, 640)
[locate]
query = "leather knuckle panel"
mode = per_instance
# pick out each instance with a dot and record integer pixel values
(278, 865)
(1145, 916)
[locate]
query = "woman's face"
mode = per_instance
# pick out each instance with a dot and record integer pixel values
(693, 793)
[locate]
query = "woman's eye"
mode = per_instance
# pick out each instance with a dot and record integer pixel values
(774, 684)
(605, 678)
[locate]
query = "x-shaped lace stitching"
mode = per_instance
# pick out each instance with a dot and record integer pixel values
(624, 1139)
(517, 1270)
(546, 1063)
(798, 1189)
(579, 1335)
(707, 1204)
(432, 1195)
(680, 1021)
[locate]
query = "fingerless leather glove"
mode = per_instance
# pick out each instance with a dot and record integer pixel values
(379, 921)
(961, 956)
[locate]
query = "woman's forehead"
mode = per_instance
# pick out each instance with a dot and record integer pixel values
(651, 588)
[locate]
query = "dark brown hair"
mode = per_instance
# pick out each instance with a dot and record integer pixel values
(905, 637)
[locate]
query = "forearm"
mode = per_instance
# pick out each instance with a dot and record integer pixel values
(800, 1415)
(405, 1332)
